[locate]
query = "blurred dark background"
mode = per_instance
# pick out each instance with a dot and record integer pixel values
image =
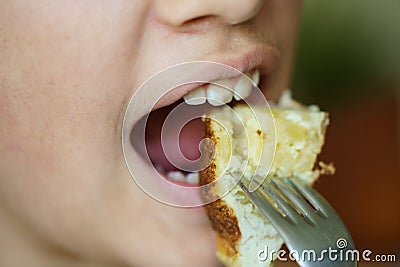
(348, 62)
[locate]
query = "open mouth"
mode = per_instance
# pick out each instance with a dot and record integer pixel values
(208, 95)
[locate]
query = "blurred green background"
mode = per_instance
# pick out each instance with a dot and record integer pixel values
(346, 47)
(348, 62)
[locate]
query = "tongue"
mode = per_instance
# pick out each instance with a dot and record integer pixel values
(189, 139)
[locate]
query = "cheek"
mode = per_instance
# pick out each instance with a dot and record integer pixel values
(65, 80)
(64, 85)
(288, 14)
(54, 155)
(279, 19)
(60, 148)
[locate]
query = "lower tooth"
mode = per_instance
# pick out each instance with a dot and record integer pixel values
(176, 176)
(193, 178)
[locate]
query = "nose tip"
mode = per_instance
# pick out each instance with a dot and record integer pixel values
(240, 11)
(178, 12)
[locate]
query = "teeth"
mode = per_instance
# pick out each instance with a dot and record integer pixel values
(243, 88)
(193, 178)
(220, 95)
(196, 97)
(190, 178)
(176, 175)
(256, 77)
(221, 92)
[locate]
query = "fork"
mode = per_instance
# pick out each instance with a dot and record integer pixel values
(306, 222)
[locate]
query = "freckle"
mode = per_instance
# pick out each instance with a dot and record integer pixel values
(66, 37)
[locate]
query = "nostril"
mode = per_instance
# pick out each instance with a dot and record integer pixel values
(199, 19)
(190, 15)
(201, 23)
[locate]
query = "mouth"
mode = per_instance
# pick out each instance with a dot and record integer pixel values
(198, 86)
(202, 96)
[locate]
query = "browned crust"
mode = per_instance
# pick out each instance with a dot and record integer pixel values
(225, 223)
(222, 217)
(208, 175)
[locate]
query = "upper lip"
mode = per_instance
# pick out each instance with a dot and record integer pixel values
(263, 57)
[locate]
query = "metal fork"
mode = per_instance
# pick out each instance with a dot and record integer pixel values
(306, 222)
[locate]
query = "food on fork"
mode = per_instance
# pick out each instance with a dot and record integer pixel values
(243, 139)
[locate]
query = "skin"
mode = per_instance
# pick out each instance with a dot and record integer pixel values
(67, 70)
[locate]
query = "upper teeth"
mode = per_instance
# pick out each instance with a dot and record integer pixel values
(221, 92)
(196, 97)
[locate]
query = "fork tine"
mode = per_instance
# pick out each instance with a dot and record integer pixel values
(274, 194)
(298, 201)
(319, 203)
(269, 211)
(299, 236)
(323, 207)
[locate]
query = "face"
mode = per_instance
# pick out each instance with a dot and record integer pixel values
(67, 71)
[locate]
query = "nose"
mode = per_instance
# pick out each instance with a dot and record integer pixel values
(177, 12)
